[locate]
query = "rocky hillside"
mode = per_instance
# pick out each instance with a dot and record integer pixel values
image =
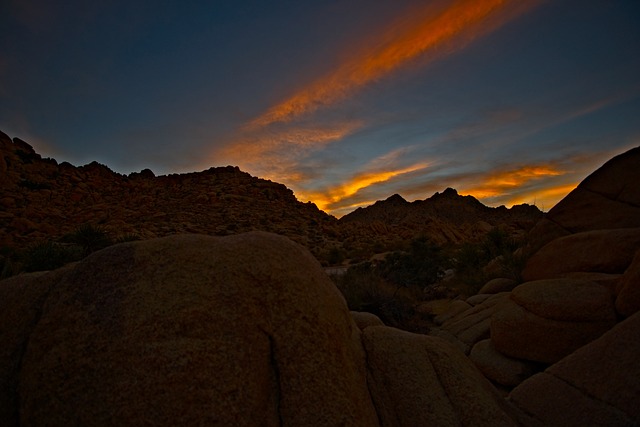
(445, 218)
(43, 200)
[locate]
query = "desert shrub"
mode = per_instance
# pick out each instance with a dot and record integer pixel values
(498, 243)
(421, 266)
(359, 285)
(48, 255)
(335, 256)
(497, 255)
(364, 290)
(90, 238)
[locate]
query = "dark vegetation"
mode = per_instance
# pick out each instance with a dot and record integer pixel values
(52, 254)
(394, 287)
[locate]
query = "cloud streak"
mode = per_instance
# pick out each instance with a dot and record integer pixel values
(426, 32)
(335, 196)
(275, 153)
(505, 181)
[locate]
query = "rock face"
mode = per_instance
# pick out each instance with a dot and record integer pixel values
(194, 330)
(608, 198)
(499, 368)
(42, 199)
(546, 320)
(239, 330)
(594, 233)
(445, 217)
(417, 380)
(600, 251)
(469, 325)
(628, 299)
(597, 385)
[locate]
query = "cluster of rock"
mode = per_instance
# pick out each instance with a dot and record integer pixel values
(249, 330)
(41, 200)
(445, 217)
(564, 344)
(237, 330)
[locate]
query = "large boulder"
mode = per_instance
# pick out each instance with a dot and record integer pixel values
(596, 385)
(468, 327)
(601, 251)
(608, 198)
(185, 330)
(501, 369)
(419, 380)
(546, 320)
(628, 299)
(21, 300)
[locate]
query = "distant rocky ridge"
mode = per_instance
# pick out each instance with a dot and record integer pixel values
(445, 217)
(41, 199)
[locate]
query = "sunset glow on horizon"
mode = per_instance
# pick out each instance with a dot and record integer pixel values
(346, 102)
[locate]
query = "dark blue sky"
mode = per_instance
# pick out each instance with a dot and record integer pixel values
(345, 102)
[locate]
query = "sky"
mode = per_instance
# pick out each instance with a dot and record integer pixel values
(344, 101)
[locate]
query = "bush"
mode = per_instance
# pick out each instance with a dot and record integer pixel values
(497, 255)
(335, 256)
(364, 290)
(423, 265)
(90, 238)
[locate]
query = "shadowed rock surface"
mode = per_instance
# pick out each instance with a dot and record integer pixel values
(192, 330)
(597, 385)
(238, 330)
(608, 198)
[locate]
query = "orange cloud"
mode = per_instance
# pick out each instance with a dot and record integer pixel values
(275, 153)
(250, 146)
(544, 198)
(331, 196)
(500, 182)
(424, 32)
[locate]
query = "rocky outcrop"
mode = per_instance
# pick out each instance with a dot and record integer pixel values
(597, 385)
(192, 330)
(594, 233)
(417, 380)
(501, 369)
(628, 296)
(445, 217)
(546, 320)
(600, 251)
(42, 200)
(498, 285)
(238, 330)
(468, 325)
(608, 198)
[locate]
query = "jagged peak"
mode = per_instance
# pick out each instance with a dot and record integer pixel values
(396, 198)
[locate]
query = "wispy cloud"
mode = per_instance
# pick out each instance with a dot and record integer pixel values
(276, 143)
(350, 192)
(506, 181)
(276, 153)
(426, 32)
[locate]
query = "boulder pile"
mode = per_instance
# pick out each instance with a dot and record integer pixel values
(249, 330)
(558, 344)
(238, 330)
